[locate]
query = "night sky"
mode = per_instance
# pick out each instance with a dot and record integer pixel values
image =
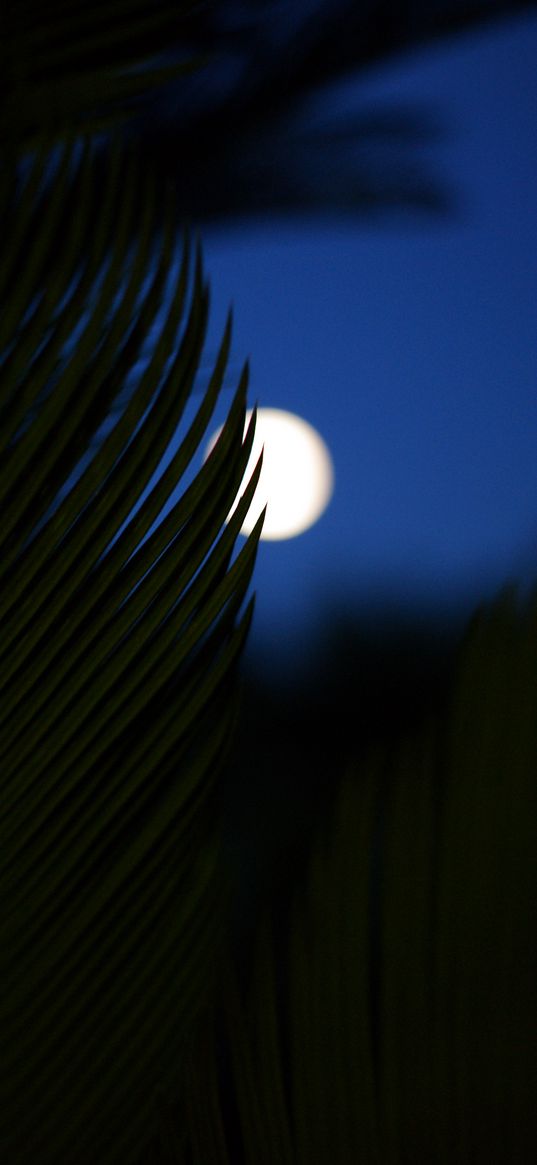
(408, 340)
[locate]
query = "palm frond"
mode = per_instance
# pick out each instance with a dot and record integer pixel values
(398, 1026)
(120, 633)
(253, 126)
(486, 952)
(72, 68)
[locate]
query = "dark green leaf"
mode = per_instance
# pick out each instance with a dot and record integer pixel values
(72, 68)
(121, 632)
(398, 1025)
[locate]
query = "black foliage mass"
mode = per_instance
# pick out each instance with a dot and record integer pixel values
(246, 136)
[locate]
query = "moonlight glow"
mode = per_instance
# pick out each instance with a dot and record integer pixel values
(297, 478)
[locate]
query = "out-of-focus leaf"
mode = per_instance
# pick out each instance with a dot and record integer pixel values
(239, 138)
(398, 1025)
(70, 68)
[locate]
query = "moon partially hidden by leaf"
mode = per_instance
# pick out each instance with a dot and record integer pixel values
(297, 478)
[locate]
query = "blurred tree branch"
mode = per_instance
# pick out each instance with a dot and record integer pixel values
(237, 139)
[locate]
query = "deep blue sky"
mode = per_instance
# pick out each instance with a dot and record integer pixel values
(410, 343)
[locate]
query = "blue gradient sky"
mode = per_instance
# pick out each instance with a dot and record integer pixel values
(410, 344)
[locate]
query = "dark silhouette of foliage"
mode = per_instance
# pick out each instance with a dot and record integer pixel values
(121, 633)
(391, 1017)
(368, 1030)
(242, 137)
(75, 68)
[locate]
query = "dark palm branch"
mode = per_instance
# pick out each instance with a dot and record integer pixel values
(80, 68)
(237, 138)
(398, 1023)
(248, 136)
(119, 639)
(120, 630)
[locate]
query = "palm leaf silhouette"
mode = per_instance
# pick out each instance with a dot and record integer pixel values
(73, 68)
(397, 1025)
(235, 142)
(248, 136)
(120, 636)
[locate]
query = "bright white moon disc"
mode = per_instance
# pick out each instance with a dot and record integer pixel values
(297, 477)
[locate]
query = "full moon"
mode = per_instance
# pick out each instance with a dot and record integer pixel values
(297, 477)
